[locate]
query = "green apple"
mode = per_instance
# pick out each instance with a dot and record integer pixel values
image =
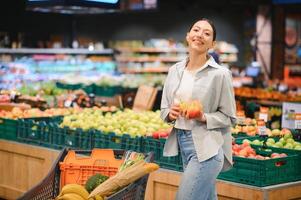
(288, 135)
(271, 140)
(278, 145)
(282, 140)
(256, 142)
(288, 146)
(290, 140)
(297, 147)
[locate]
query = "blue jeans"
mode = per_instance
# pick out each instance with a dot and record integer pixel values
(198, 179)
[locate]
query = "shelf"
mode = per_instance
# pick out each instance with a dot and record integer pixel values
(55, 51)
(145, 70)
(153, 50)
(148, 59)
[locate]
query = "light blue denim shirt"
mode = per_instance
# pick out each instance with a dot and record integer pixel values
(213, 88)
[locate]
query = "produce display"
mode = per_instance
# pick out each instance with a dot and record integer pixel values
(264, 94)
(18, 113)
(246, 151)
(287, 142)
(128, 121)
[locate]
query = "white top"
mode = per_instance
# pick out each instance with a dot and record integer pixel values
(184, 93)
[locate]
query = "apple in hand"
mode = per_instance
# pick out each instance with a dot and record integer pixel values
(191, 109)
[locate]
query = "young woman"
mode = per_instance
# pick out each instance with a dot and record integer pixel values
(205, 140)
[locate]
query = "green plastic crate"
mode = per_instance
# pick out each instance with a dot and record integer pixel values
(66, 137)
(89, 88)
(263, 172)
(68, 86)
(242, 135)
(156, 146)
(108, 91)
(113, 141)
(8, 129)
(34, 132)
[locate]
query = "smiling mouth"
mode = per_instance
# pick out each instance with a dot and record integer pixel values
(198, 42)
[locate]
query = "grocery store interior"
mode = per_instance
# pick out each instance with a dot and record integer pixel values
(81, 83)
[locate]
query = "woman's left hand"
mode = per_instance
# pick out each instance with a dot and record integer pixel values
(197, 115)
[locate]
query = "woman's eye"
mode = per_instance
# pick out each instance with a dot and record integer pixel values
(208, 34)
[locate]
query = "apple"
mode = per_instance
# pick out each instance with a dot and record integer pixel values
(256, 142)
(282, 141)
(259, 157)
(192, 108)
(297, 147)
(271, 141)
(290, 141)
(275, 155)
(285, 131)
(275, 132)
(289, 146)
(278, 145)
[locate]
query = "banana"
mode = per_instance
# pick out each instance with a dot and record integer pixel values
(70, 196)
(98, 197)
(75, 188)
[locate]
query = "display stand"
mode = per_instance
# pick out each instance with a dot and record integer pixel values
(163, 184)
(22, 166)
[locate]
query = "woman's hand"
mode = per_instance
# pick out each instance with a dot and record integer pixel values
(174, 112)
(194, 114)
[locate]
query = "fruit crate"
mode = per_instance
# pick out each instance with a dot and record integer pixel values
(66, 137)
(107, 91)
(263, 172)
(89, 88)
(156, 146)
(33, 132)
(113, 141)
(68, 86)
(275, 149)
(241, 135)
(49, 187)
(8, 129)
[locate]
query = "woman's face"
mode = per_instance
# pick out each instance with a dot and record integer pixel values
(200, 37)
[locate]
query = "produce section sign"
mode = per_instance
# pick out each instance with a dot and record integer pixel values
(289, 111)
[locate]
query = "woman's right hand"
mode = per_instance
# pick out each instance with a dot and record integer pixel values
(174, 112)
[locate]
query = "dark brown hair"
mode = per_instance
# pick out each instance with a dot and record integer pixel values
(209, 22)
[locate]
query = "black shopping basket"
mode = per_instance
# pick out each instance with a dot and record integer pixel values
(49, 187)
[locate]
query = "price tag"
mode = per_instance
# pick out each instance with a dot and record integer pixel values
(67, 103)
(261, 127)
(263, 113)
(298, 121)
(240, 117)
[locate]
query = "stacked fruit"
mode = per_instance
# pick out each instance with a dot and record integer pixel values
(73, 192)
(122, 122)
(248, 126)
(246, 151)
(286, 142)
(17, 112)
